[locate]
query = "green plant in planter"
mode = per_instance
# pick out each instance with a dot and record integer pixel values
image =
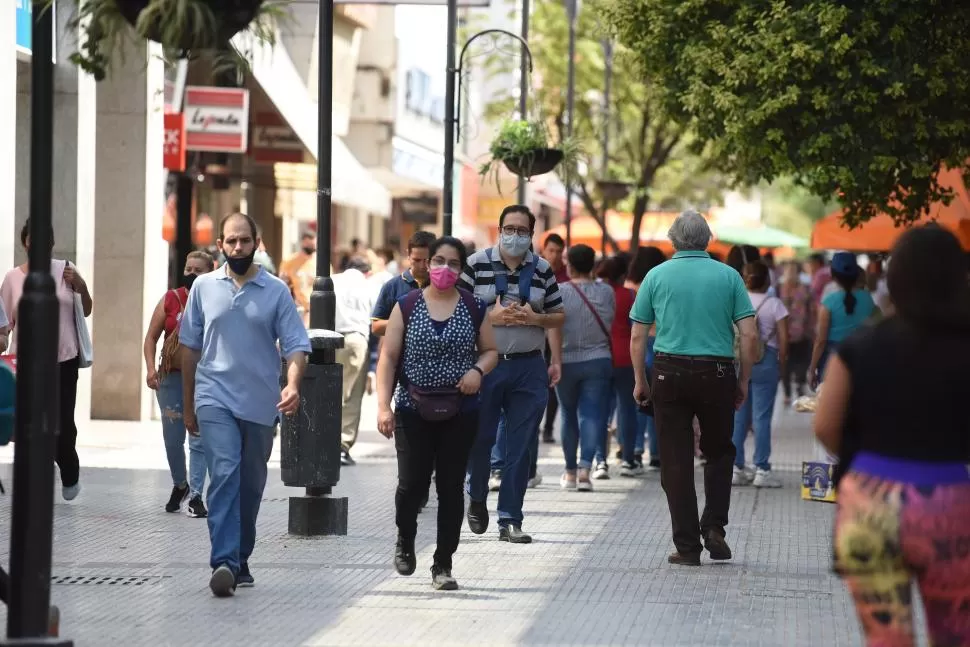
(523, 147)
(183, 28)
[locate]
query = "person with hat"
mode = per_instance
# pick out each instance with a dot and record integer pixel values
(840, 313)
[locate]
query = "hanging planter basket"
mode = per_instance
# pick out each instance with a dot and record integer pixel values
(613, 190)
(229, 17)
(537, 162)
(184, 28)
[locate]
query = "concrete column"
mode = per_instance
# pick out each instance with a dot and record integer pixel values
(130, 256)
(73, 172)
(8, 138)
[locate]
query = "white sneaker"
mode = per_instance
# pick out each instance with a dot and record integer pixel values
(70, 492)
(495, 482)
(567, 484)
(601, 473)
(741, 477)
(765, 478)
(535, 480)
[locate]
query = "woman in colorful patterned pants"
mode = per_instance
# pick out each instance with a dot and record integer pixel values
(894, 410)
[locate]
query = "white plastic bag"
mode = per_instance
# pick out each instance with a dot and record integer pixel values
(85, 349)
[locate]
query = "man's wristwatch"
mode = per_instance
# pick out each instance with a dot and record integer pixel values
(476, 367)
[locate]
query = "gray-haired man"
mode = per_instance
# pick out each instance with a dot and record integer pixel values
(695, 303)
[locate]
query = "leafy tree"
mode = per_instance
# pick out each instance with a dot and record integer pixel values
(647, 149)
(864, 100)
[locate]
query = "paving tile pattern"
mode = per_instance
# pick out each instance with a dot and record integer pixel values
(126, 573)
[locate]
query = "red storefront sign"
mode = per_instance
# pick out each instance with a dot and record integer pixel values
(217, 119)
(174, 148)
(274, 140)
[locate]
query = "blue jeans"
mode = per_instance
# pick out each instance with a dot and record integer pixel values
(169, 395)
(647, 424)
(237, 452)
(498, 450)
(520, 388)
(757, 410)
(584, 393)
(627, 423)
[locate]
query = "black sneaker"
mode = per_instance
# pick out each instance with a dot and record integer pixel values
(195, 508)
(424, 503)
(477, 517)
(404, 559)
(547, 437)
(684, 559)
(346, 459)
(179, 494)
(245, 579)
(223, 582)
(442, 580)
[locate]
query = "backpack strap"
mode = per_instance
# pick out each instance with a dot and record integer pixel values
(501, 276)
(469, 300)
(408, 305)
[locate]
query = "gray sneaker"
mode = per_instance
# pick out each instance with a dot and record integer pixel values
(442, 580)
(223, 582)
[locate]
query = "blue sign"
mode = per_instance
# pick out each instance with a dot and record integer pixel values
(24, 27)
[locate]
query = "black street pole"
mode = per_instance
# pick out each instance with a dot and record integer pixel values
(184, 186)
(607, 83)
(310, 439)
(523, 86)
(570, 105)
(32, 526)
(447, 189)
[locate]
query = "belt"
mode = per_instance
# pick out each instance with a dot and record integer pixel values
(531, 353)
(695, 358)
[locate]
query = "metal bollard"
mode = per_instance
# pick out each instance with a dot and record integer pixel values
(310, 443)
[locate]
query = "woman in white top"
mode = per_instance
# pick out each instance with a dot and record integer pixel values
(67, 283)
(772, 319)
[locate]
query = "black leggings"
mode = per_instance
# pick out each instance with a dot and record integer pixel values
(442, 447)
(66, 455)
(4, 586)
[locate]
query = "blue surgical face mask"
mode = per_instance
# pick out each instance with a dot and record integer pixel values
(515, 245)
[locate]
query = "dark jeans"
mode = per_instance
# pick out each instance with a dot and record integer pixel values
(66, 457)
(799, 357)
(4, 586)
(443, 447)
(552, 405)
(684, 388)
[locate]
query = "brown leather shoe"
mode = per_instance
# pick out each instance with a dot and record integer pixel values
(681, 559)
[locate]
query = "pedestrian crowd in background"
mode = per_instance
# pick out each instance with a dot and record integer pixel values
(474, 355)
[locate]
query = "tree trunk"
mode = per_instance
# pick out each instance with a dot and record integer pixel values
(639, 208)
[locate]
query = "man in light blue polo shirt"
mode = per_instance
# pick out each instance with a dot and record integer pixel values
(696, 302)
(233, 319)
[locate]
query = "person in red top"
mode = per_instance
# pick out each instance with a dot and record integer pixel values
(613, 271)
(166, 381)
(552, 251)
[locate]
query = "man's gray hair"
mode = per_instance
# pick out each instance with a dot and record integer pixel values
(690, 232)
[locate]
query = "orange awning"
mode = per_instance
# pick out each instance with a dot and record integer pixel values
(880, 233)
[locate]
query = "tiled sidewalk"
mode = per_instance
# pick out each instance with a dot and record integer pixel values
(128, 574)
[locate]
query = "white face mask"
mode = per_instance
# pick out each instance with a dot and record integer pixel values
(515, 245)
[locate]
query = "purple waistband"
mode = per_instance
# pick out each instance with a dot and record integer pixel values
(910, 471)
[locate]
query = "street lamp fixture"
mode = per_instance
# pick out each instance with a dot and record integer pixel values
(453, 117)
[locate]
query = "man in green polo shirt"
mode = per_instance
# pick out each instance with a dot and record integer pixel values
(696, 303)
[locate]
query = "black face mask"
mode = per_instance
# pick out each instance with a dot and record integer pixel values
(188, 280)
(240, 266)
(309, 251)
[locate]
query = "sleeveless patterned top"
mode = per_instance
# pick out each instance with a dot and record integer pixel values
(437, 353)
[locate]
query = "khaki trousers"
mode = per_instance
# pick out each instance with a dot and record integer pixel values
(354, 358)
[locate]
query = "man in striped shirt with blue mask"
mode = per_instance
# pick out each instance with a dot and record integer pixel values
(524, 302)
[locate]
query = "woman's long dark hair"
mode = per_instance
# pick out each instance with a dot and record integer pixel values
(646, 259)
(847, 282)
(927, 280)
(741, 255)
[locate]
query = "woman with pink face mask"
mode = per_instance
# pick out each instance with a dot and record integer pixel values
(437, 348)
